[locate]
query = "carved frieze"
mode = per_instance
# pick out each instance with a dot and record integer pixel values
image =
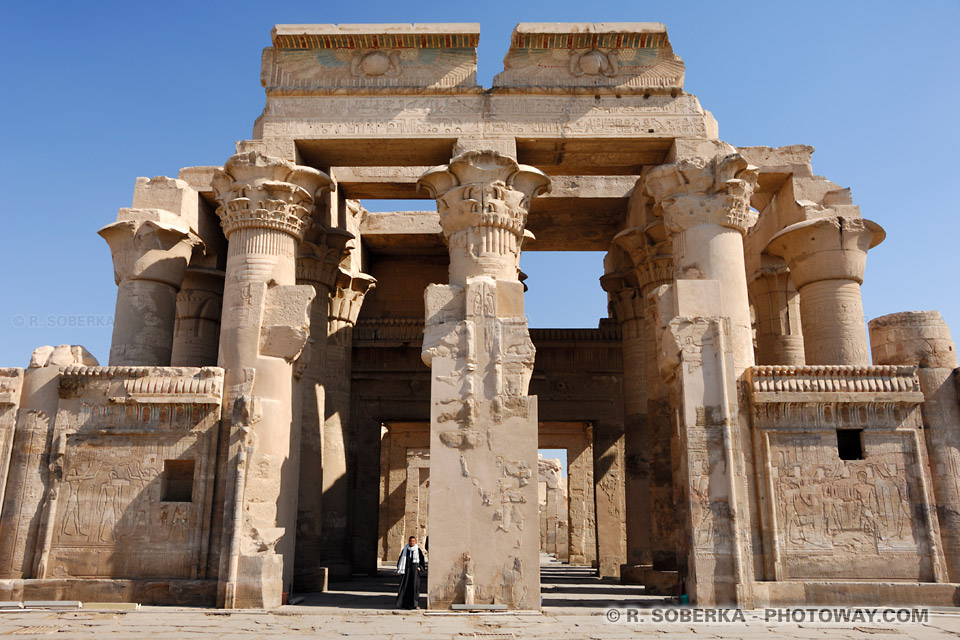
(318, 59)
(625, 57)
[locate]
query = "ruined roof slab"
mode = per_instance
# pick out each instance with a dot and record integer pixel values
(319, 59)
(579, 57)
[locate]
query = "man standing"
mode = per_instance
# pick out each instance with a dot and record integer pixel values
(409, 566)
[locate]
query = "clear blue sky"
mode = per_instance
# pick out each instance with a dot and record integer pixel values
(98, 93)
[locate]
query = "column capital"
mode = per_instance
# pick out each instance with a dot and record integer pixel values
(347, 298)
(828, 248)
(652, 260)
(483, 198)
(625, 295)
(257, 191)
(318, 259)
(699, 191)
(150, 244)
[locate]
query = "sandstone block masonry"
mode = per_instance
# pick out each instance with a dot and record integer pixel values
(295, 384)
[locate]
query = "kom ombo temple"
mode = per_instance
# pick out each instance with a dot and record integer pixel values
(296, 384)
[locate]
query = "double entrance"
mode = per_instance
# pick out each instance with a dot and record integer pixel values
(568, 530)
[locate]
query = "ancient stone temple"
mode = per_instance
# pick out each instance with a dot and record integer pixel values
(296, 384)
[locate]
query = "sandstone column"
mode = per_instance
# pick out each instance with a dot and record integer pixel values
(483, 425)
(923, 339)
(653, 266)
(827, 257)
(265, 205)
(627, 301)
(318, 265)
(151, 249)
(345, 303)
(705, 204)
(196, 332)
(777, 305)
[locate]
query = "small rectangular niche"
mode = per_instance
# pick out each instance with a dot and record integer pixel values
(177, 481)
(850, 444)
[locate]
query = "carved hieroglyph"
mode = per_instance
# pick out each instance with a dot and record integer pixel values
(696, 358)
(132, 471)
(923, 339)
(265, 208)
(483, 425)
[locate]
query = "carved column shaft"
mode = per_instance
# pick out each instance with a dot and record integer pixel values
(923, 339)
(705, 203)
(338, 458)
(196, 333)
(265, 205)
(827, 257)
(777, 307)
(483, 425)
(317, 265)
(627, 302)
(654, 269)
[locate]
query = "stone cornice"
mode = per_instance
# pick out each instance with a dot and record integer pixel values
(828, 383)
(146, 385)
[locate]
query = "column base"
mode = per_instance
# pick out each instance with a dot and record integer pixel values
(633, 573)
(660, 583)
(313, 582)
(259, 583)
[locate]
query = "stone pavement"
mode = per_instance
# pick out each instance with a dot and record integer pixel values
(576, 606)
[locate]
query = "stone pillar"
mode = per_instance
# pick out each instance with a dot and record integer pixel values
(196, 331)
(151, 249)
(923, 339)
(581, 515)
(549, 475)
(627, 301)
(318, 265)
(827, 257)
(265, 206)
(345, 302)
(696, 358)
(28, 477)
(483, 425)
(705, 203)
(653, 265)
(777, 307)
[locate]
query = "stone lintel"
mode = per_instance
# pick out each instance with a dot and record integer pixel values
(609, 57)
(401, 182)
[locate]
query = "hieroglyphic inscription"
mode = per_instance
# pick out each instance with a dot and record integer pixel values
(468, 115)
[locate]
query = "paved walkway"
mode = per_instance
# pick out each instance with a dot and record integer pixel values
(576, 605)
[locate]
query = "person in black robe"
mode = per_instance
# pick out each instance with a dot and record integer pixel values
(410, 565)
